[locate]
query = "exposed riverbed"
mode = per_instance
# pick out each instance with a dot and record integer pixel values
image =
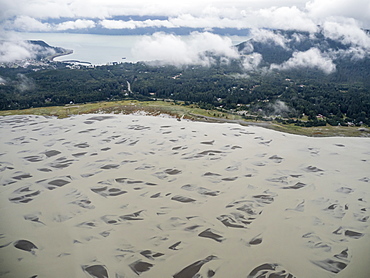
(128, 195)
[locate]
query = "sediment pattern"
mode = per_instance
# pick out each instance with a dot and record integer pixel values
(127, 196)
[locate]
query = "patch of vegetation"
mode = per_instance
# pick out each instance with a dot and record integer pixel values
(180, 110)
(299, 98)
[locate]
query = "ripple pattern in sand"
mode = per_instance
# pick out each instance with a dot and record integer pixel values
(129, 196)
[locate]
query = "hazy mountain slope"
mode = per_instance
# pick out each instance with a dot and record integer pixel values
(341, 58)
(44, 50)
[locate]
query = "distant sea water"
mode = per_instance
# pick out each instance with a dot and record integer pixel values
(96, 49)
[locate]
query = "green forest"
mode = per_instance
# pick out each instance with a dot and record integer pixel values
(305, 97)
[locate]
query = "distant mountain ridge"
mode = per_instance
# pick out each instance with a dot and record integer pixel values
(42, 50)
(291, 41)
(299, 53)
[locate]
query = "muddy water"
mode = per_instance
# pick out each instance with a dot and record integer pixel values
(123, 196)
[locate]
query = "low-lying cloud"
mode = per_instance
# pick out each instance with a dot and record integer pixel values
(11, 51)
(24, 83)
(278, 108)
(252, 62)
(347, 32)
(268, 36)
(17, 50)
(177, 50)
(312, 58)
(195, 49)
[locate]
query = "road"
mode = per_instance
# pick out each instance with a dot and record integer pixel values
(129, 87)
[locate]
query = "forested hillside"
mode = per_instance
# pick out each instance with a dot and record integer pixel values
(293, 77)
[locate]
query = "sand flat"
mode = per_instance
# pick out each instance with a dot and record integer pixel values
(130, 195)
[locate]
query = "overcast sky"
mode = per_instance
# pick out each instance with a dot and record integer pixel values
(35, 15)
(341, 20)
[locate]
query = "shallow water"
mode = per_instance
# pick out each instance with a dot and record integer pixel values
(122, 196)
(99, 49)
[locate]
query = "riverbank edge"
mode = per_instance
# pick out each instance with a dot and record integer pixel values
(180, 112)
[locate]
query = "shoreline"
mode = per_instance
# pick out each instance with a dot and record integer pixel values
(75, 62)
(240, 122)
(156, 108)
(66, 52)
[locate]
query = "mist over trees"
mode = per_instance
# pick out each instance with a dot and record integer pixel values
(295, 77)
(338, 98)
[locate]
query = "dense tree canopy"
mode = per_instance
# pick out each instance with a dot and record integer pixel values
(337, 98)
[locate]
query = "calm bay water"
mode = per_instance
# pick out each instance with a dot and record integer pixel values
(96, 49)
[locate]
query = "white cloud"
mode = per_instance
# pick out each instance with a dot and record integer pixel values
(355, 53)
(350, 34)
(303, 15)
(251, 62)
(26, 23)
(24, 83)
(189, 20)
(347, 32)
(118, 24)
(15, 50)
(183, 20)
(356, 9)
(312, 58)
(29, 24)
(340, 20)
(40, 9)
(132, 24)
(239, 21)
(176, 50)
(78, 24)
(285, 18)
(267, 36)
(11, 51)
(278, 108)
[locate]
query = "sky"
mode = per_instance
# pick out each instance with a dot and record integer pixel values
(38, 15)
(342, 20)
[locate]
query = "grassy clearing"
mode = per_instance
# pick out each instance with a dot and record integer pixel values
(178, 110)
(323, 131)
(116, 107)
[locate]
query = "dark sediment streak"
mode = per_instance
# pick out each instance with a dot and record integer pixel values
(25, 245)
(194, 268)
(96, 271)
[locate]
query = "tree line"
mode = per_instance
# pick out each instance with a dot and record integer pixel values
(309, 95)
